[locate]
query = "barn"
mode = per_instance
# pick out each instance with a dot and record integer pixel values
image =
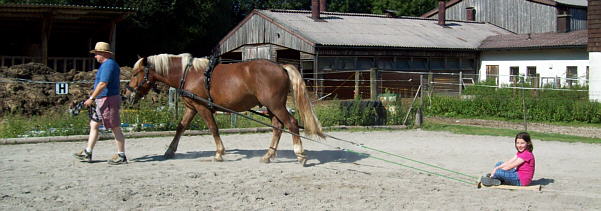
(519, 16)
(59, 36)
(344, 55)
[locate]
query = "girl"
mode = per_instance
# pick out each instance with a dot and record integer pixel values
(518, 170)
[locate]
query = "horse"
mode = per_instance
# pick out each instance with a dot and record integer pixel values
(236, 86)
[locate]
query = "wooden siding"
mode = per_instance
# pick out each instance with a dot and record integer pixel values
(258, 30)
(594, 26)
(577, 19)
(518, 16)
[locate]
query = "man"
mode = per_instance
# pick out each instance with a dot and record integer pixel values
(107, 97)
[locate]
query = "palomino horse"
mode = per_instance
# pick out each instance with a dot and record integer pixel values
(238, 86)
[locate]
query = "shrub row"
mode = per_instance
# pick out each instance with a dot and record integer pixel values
(539, 105)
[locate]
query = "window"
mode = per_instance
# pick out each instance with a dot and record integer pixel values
(437, 64)
(419, 64)
(345, 63)
(385, 63)
(492, 73)
(365, 63)
(571, 75)
(326, 63)
(514, 74)
(467, 64)
(403, 63)
(532, 76)
(453, 63)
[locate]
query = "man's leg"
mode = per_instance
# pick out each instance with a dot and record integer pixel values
(119, 158)
(86, 154)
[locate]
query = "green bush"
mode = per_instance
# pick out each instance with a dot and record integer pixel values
(567, 105)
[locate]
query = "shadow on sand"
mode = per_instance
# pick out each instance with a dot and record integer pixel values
(283, 156)
(542, 181)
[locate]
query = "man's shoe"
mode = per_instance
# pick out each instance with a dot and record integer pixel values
(83, 155)
(118, 160)
(488, 181)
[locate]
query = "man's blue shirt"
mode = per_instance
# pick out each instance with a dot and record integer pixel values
(108, 72)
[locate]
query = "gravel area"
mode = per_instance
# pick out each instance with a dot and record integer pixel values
(46, 177)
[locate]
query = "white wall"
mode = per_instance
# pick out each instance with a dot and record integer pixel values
(548, 62)
(594, 89)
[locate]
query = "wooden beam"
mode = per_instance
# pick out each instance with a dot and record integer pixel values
(512, 187)
(46, 28)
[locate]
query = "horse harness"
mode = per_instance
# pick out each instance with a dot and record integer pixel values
(144, 81)
(208, 72)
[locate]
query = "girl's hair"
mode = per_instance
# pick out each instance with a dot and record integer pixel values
(526, 137)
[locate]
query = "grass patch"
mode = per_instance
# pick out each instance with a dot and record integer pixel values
(472, 130)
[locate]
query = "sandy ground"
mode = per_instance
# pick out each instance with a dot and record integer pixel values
(46, 176)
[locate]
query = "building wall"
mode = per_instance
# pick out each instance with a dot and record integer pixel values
(594, 48)
(518, 16)
(257, 30)
(549, 63)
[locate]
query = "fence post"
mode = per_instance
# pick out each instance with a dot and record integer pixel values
(460, 82)
(373, 83)
(357, 91)
(419, 117)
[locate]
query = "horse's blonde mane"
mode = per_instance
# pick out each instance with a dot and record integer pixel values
(162, 62)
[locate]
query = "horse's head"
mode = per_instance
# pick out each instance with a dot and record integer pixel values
(141, 81)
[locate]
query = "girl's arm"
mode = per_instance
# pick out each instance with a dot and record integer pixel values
(509, 164)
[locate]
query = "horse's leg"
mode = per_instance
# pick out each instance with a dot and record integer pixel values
(181, 127)
(207, 115)
(292, 125)
(275, 140)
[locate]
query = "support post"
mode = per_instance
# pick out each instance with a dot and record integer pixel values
(357, 82)
(373, 83)
(419, 117)
(460, 82)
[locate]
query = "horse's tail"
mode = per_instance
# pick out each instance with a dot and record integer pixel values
(303, 103)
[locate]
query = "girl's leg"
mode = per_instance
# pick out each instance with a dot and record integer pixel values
(507, 177)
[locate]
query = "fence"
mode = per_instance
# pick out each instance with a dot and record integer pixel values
(60, 64)
(419, 91)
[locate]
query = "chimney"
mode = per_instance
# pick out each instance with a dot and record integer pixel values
(470, 14)
(441, 13)
(563, 23)
(315, 10)
(323, 5)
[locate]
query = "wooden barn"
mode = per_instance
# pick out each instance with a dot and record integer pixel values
(59, 36)
(519, 16)
(343, 54)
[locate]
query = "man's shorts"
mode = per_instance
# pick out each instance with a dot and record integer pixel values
(108, 108)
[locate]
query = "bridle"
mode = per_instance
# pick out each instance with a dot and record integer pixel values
(144, 81)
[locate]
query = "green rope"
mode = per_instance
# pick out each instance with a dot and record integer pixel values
(411, 167)
(395, 155)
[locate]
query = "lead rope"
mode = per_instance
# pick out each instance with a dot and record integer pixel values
(190, 95)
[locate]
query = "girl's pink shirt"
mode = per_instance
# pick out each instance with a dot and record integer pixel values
(526, 169)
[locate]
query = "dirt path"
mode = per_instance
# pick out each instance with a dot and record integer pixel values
(591, 132)
(45, 176)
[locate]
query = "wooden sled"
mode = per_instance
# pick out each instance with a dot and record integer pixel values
(512, 187)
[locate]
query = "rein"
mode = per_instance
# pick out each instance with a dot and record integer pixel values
(144, 81)
(91, 111)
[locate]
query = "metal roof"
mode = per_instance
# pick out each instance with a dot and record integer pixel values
(534, 41)
(366, 30)
(582, 3)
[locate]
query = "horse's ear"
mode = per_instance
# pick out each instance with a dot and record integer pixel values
(139, 57)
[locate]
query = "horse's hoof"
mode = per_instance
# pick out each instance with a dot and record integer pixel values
(218, 159)
(169, 155)
(263, 160)
(302, 161)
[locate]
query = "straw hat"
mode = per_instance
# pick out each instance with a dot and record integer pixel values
(102, 47)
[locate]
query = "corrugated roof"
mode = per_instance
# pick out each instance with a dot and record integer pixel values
(542, 40)
(582, 3)
(364, 30)
(69, 6)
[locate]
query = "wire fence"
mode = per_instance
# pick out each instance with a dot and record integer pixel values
(412, 94)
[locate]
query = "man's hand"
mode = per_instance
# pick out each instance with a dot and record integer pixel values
(88, 102)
